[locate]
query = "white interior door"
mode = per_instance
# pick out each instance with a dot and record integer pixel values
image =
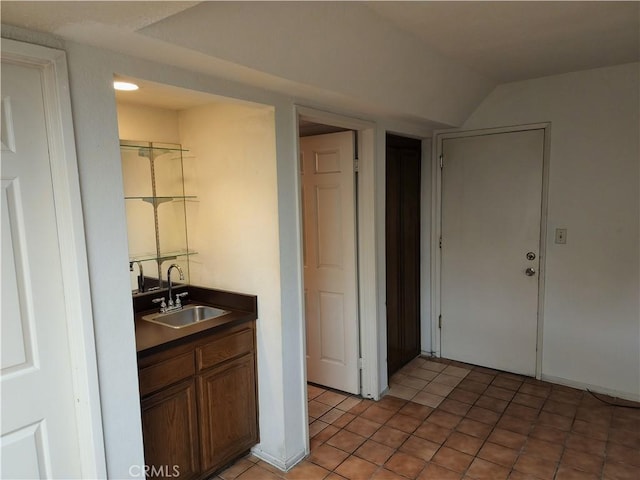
(491, 210)
(40, 436)
(331, 310)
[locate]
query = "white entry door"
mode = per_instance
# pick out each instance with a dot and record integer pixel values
(330, 281)
(41, 396)
(491, 210)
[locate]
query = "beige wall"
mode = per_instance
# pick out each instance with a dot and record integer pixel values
(151, 124)
(233, 226)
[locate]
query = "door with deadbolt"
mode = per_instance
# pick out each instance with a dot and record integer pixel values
(490, 248)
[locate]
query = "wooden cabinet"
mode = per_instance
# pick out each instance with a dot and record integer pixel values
(228, 412)
(170, 431)
(199, 402)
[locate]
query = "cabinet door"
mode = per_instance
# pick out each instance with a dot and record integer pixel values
(227, 399)
(170, 432)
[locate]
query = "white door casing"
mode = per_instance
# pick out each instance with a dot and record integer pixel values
(329, 256)
(51, 425)
(490, 219)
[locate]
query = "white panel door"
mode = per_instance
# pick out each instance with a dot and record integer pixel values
(329, 219)
(491, 210)
(39, 425)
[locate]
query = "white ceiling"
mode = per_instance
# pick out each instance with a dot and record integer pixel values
(164, 96)
(52, 17)
(509, 41)
(504, 41)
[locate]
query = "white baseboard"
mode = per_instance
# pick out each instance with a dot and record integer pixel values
(284, 465)
(634, 397)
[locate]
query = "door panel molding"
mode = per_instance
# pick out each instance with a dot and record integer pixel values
(52, 64)
(27, 452)
(329, 248)
(436, 226)
(331, 317)
(18, 357)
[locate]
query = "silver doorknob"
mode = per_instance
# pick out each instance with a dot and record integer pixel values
(530, 272)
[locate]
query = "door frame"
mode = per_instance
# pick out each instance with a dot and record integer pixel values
(366, 269)
(52, 64)
(436, 226)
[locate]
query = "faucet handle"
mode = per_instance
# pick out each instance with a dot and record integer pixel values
(163, 305)
(178, 298)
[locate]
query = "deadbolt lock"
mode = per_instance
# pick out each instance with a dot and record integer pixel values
(531, 256)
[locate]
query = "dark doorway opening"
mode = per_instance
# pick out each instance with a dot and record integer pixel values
(403, 158)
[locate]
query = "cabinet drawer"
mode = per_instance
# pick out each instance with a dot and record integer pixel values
(225, 348)
(165, 373)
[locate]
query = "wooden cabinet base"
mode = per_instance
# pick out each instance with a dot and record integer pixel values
(198, 419)
(227, 425)
(170, 432)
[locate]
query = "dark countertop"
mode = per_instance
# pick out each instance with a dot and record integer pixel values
(151, 337)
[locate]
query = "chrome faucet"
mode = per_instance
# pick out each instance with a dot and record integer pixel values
(140, 274)
(177, 303)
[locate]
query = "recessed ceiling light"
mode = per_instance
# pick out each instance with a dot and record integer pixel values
(126, 86)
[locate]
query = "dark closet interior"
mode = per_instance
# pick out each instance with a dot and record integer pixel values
(403, 157)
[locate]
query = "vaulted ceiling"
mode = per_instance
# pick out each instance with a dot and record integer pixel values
(455, 52)
(515, 40)
(504, 41)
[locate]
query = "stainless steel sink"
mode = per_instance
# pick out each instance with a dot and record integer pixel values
(189, 315)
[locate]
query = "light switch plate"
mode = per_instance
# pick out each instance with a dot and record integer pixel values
(561, 235)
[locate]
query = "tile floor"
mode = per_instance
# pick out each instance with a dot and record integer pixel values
(447, 420)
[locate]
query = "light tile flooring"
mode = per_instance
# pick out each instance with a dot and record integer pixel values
(446, 420)
(427, 382)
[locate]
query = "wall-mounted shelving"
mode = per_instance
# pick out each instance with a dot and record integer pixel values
(153, 177)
